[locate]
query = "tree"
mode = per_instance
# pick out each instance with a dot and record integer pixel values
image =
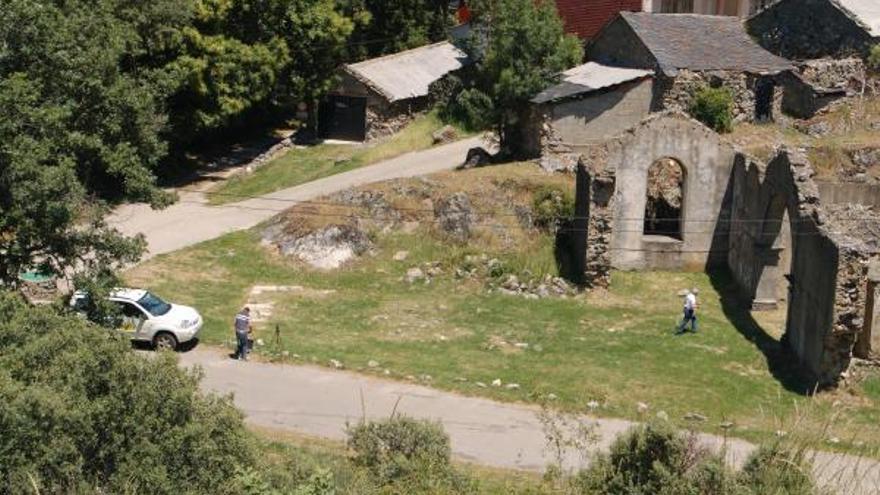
(520, 47)
(391, 26)
(81, 413)
(80, 123)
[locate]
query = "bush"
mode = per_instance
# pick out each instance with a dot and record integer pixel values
(714, 107)
(655, 459)
(471, 109)
(776, 469)
(874, 58)
(552, 207)
(391, 448)
(81, 413)
(413, 455)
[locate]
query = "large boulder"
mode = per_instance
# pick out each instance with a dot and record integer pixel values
(455, 216)
(326, 248)
(444, 135)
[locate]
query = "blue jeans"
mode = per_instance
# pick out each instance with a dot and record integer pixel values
(689, 317)
(241, 348)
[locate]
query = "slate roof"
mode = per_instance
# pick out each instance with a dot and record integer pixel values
(408, 74)
(587, 78)
(866, 12)
(702, 43)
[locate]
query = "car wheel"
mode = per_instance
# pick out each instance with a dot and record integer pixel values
(164, 341)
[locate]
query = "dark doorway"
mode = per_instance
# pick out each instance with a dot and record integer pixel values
(764, 91)
(343, 117)
(665, 199)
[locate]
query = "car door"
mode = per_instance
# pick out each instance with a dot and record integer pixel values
(134, 321)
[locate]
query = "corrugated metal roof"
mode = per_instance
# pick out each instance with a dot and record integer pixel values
(587, 78)
(701, 43)
(866, 11)
(408, 74)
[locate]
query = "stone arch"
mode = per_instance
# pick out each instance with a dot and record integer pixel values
(665, 195)
(705, 162)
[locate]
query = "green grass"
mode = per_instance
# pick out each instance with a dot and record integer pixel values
(616, 348)
(613, 347)
(302, 165)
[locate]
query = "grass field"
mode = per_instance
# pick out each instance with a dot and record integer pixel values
(302, 165)
(612, 349)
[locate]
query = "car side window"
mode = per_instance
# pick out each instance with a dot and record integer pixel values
(132, 311)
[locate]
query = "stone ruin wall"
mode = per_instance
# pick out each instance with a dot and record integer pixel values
(829, 263)
(677, 93)
(828, 301)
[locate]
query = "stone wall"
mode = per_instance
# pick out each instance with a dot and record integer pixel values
(677, 94)
(808, 29)
(618, 187)
(827, 285)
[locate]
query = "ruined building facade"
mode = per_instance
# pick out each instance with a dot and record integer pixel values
(716, 208)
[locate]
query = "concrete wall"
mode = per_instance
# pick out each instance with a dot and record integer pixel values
(843, 192)
(761, 197)
(807, 29)
(601, 115)
(707, 163)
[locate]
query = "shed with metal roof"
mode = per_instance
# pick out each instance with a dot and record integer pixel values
(377, 96)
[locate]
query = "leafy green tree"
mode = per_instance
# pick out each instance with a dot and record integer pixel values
(80, 121)
(391, 26)
(520, 47)
(81, 413)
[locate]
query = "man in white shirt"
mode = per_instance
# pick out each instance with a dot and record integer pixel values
(690, 312)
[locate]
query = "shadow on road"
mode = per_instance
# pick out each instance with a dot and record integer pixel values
(183, 347)
(781, 361)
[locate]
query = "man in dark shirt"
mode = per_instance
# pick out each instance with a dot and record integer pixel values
(242, 329)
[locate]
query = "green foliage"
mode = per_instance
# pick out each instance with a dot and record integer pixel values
(319, 483)
(391, 26)
(874, 58)
(714, 107)
(778, 469)
(472, 108)
(521, 48)
(411, 455)
(81, 413)
(657, 459)
(392, 448)
(552, 207)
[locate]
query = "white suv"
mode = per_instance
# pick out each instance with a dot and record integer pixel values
(147, 318)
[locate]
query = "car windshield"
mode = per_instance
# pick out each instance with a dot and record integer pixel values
(154, 304)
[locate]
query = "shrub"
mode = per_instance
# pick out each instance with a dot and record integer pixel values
(874, 58)
(714, 107)
(391, 449)
(470, 108)
(777, 469)
(655, 459)
(552, 207)
(81, 413)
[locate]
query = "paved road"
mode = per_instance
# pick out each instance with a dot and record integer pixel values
(320, 402)
(191, 220)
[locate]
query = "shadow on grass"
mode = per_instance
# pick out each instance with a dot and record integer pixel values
(781, 361)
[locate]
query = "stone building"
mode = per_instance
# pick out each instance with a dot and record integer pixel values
(810, 29)
(671, 194)
(689, 51)
(591, 103)
(379, 96)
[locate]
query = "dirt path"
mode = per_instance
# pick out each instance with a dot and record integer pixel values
(320, 402)
(191, 220)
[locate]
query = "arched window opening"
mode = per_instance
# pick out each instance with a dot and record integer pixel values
(665, 201)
